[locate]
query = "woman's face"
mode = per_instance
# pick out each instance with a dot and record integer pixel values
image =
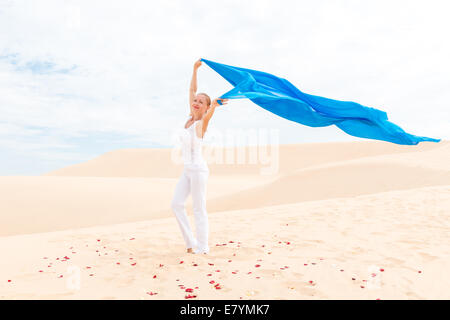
(199, 105)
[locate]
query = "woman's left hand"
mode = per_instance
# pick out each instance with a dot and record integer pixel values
(216, 103)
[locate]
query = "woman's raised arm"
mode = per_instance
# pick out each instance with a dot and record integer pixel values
(209, 114)
(193, 88)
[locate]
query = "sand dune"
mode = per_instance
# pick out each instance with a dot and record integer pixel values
(391, 245)
(332, 212)
(88, 194)
(157, 163)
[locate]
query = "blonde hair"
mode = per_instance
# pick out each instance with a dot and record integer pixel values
(208, 99)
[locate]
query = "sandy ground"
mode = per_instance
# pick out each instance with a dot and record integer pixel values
(353, 220)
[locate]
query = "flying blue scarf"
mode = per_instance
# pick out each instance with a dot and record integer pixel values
(282, 98)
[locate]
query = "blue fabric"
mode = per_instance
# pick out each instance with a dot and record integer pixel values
(282, 98)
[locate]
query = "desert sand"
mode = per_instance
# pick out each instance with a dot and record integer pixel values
(338, 220)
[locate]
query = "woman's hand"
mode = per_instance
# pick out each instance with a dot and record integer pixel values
(197, 64)
(215, 103)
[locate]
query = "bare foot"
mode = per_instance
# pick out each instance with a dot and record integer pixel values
(189, 250)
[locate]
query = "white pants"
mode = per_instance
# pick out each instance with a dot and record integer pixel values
(192, 181)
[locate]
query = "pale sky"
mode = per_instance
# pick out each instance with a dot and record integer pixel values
(81, 78)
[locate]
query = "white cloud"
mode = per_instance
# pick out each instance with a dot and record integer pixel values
(124, 69)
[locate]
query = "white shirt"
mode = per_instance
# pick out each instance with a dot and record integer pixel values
(191, 148)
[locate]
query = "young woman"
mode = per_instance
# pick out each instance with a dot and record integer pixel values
(195, 172)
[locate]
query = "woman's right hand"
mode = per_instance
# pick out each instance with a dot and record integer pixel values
(197, 64)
